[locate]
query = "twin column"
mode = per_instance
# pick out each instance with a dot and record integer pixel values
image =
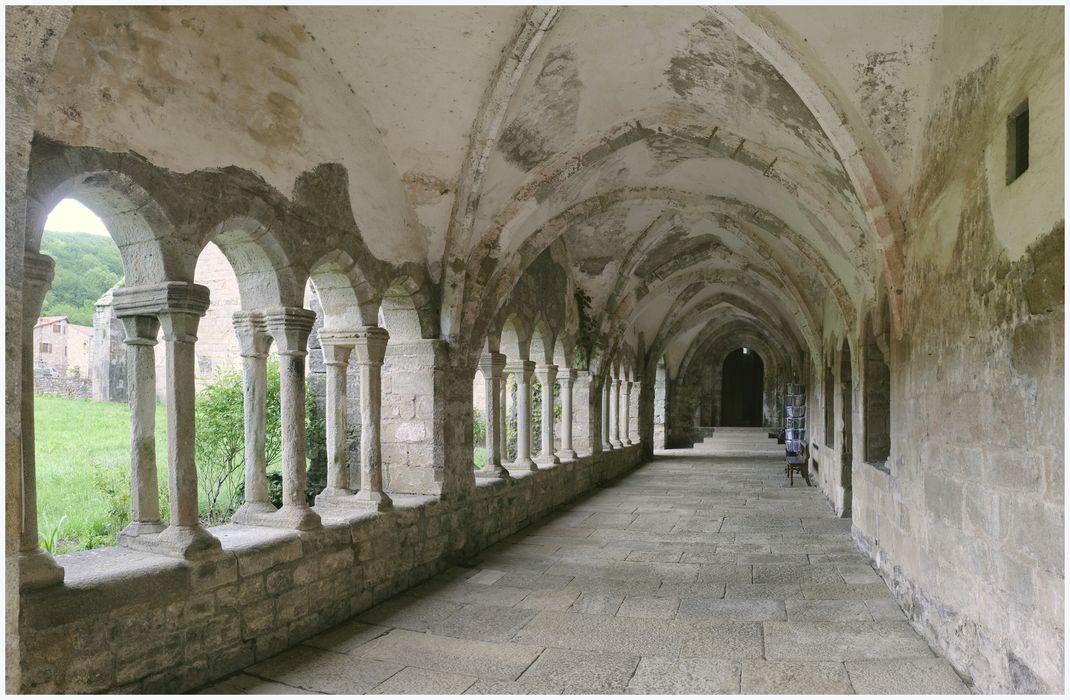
(368, 346)
(494, 369)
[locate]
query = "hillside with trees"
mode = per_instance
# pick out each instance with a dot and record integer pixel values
(87, 265)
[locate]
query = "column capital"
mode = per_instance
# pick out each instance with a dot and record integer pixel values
(253, 338)
(338, 336)
(566, 374)
(547, 374)
(290, 327)
(169, 298)
(522, 367)
(370, 345)
(336, 354)
(38, 271)
(492, 364)
(141, 330)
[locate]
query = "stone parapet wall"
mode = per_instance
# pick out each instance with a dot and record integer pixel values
(66, 387)
(134, 622)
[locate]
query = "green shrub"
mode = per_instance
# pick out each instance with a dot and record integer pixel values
(220, 442)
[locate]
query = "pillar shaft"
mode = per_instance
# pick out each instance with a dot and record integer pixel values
(491, 366)
(336, 356)
(503, 417)
(141, 332)
(37, 568)
(522, 371)
(626, 412)
(605, 415)
(614, 413)
(370, 349)
(547, 375)
(254, 343)
(289, 327)
(566, 378)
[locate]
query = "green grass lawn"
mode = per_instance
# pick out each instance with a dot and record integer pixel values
(479, 456)
(74, 439)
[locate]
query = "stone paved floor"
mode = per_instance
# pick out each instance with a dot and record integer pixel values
(694, 574)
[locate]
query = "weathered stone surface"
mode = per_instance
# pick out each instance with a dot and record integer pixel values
(905, 676)
(672, 676)
(795, 678)
(433, 652)
(325, 671)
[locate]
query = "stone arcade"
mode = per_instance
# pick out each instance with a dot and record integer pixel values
(609, 203)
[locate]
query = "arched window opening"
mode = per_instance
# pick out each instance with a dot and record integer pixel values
(742, 379)
(846, 409)
(480, 414)
(826, 397)
(81, 416)
(877, 391)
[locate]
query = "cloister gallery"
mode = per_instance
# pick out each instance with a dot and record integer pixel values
(671, 219)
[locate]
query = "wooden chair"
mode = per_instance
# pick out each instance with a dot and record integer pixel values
(799, 463)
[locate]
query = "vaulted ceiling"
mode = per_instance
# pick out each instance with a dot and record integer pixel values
(700, 165)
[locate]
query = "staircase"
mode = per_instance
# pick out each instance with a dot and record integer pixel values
(742, 442)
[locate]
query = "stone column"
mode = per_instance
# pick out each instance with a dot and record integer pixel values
(523, 371)
(337, 346)
(547, 375)
(491, 365)
(566, 378)
(626, 412)
(503, 416)
(37, 568)
(614, 413)
(290, 326)
(371, 349)
(141, 333)
(606, 446)
(254, 342)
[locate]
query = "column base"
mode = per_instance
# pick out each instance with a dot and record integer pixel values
(495, 471)
(297, 517)
(247, 512)
(568, 455)
(138, 529)
(182, 541)
(548, 461)
(373, 499)
(627, 443)
(38, 569)
(616, 444)
(331, 496)
(524, 465)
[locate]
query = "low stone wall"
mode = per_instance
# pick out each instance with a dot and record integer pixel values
(134, 622)
(66, 387)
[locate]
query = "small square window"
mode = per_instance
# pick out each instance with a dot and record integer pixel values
(1018, 142)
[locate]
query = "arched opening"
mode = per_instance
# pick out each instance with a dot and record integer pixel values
(742, 377)
(847, 437)
(81, 416)
(877, 389)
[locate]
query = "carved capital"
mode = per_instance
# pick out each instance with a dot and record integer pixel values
(290, 326)
(175, 298)
(491, 364)
(370, 345)
(37, 274)
(253, 338)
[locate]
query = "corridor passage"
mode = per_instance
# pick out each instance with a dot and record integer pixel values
(700, 572)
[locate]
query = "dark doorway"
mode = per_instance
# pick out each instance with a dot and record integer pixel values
(741, 388)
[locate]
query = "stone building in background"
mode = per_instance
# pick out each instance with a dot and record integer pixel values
(61, 348)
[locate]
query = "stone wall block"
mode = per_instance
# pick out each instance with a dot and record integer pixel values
(255, 560)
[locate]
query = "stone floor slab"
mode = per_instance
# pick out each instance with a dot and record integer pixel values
(325, 671)
(420, 681)
(842, 641)
(762, 677)
(674, 676)
(577, 672)
(656, 607)
(496, 660)
(906, 677)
